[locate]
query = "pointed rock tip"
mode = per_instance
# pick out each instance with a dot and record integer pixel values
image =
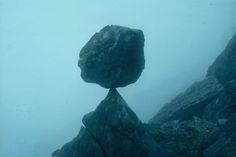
(114, 95)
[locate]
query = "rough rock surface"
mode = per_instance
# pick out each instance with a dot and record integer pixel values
(113, 57)
(112, 130)
(184, 139)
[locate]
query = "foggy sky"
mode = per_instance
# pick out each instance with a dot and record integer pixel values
(43, 98)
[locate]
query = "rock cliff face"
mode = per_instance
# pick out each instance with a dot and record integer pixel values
(201, 122)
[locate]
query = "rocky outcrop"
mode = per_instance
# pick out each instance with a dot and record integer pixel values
(212, 100)
(112, 130)
(113, 57)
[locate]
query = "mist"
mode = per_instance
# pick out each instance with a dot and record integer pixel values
(42, 96)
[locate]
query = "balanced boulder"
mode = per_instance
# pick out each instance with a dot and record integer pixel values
(113, 57)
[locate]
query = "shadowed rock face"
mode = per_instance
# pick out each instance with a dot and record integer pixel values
(224, 68)
(113, 57)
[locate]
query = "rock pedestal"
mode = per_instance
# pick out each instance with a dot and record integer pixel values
(112, 130)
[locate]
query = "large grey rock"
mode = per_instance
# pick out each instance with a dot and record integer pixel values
(113, 57)
(224, 68)
(184, 139)
(118, 129)
(191, 103)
